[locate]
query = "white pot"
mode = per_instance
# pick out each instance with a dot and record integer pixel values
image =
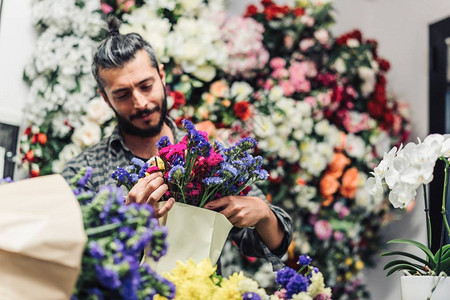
(419, 288)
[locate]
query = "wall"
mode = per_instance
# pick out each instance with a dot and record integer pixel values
(17, 39)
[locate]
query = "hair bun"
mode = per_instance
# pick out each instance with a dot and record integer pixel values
(113, 25)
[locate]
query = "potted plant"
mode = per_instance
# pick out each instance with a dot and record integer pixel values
(403, 171)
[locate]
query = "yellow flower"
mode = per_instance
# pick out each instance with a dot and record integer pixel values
(359, 265)
(317, 285)
(348, 261)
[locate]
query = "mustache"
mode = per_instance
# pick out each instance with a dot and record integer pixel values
(143, 112)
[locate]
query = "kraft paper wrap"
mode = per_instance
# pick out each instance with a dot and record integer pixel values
(41, 239)
(193, 232)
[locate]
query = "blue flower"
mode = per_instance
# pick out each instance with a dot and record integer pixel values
(95, 250)
(304, 260)
(188, 125)
(163, 142)
(284, 275)
(138, 162)
(251, 296)
(107, 277)
(212, 180)
(298, 283)
(95, 294)
(247, 143)
(175, 173)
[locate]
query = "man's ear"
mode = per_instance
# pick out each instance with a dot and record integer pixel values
(162, 74)
(100, 91)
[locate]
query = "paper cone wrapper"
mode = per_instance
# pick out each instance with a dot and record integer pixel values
(192, 232)
(41, 239)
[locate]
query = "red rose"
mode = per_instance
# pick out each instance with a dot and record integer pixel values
(375, 110)
(35, 173)
(342, 40)
(29, 155)
(34, 138)
(389, 118)
(266, 3)
(384, 64)
(336, 95)
(251, 11)
(27, 131)
(242, 110)
(178, 99)
(356, 34)
(298, 11)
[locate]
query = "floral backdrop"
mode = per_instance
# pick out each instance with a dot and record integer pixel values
(317, 104)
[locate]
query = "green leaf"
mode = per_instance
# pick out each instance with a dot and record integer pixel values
(430, 264)
(400, 262)
(414, 243)
(404, 267)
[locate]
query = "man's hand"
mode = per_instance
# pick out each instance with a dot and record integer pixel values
(241, 211)
(149, 190)
(247, 211)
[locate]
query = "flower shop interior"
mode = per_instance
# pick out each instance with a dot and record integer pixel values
(326, 88)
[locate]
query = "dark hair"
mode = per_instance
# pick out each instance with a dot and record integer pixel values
(117, 49)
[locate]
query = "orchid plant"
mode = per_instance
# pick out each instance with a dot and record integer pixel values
(404, 170)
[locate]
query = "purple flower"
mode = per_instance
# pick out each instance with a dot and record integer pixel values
(175, 174)
(163, 142)
(298, 283)
(138, 162)
(284, 275)
(304, 260)
(84, 179)
(246, 143)
(95, 250)
(251, 296)
(188, 125)
(107, 277)
(95, 293)
(212, 180)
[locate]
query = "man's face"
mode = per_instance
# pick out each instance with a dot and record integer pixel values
(136, 93)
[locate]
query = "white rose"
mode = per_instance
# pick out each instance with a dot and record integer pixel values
(339, 65)
(98, 111)
(355, 146)
(322, 36)
(276, 93)
(240, 90)
(190, 5)
(205, 73)
(353, 43)
(322, 127)
(87, 135)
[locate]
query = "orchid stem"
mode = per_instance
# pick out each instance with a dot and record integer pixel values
(443, 212)
(427, 213)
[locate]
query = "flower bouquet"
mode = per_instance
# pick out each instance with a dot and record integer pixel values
(117, 235)
(403, 171)
(197, 172)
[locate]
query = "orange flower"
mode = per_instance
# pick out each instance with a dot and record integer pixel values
(337, 166)
(300, 181)
(42, 138)
(209, 98)
(242, 110)
(350, 183)
(206, 126)
(226, 102)
(219, 88)
(328, 186)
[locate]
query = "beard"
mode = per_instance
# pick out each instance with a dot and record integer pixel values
(127, 127)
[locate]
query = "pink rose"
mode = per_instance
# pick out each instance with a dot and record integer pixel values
(106, 9)
(323, 230)
(288, 88)
(277, 62)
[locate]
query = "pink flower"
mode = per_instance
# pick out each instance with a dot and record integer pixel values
(323, 230)
(281, 294)
(338, 236)
(305, 44)
(106, 9)
(322, 36)
(277, 62)
(280, 73)
(311, 101)
(288, 88)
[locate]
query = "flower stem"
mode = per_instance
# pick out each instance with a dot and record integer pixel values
(427, 212)
(444, 196)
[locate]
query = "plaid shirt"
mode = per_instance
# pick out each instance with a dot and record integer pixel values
(111, 152)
